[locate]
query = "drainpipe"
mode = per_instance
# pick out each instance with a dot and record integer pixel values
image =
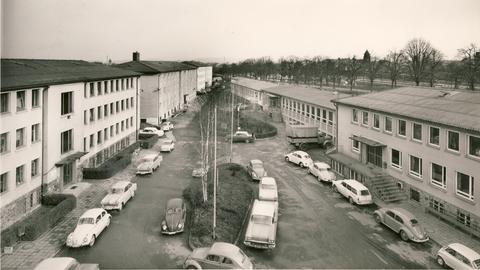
(44, 96)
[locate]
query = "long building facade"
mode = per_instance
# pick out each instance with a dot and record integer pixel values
(59, 116)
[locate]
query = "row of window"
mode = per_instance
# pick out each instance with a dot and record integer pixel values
(110, 86)
(20, 173)
(103, 155)
(434, 134)
(103, 135)
(308, 110)
(20, 138)
(21, 102)
(104, 111)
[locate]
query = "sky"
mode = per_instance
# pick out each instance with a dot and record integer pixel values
(231, 30)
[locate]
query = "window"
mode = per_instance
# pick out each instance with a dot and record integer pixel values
(112, 87)
(439, 175)
(20, 137)
(453, 140)
(66, 141)
(324, 116)
(4, 142)
(131, 82)
(131, 121)
(99, 112)
(126, 123)
(111, 131)
(437, 206)
(116, 128)
(105, 87)
(365, 118)
(417, 131)
(67, 102)
(123, 105)
(416, 166)
(92, 114)
(116, 85)
(99, 88)
(388, 124)
(319, 113)
(35, 133)
(92, 89)
(355, 146)
(84, 144)
(474, 146)
(4, 102)
(376, 121)
(396, 159)
(303, 109)
(330, 118)
(354, 116)
(117, 107)
(465, 185)
(131, 102)
(111, 108)
(19, 175)
(35, 98)
(85, 118)
(463, 218)
(434, 136)
(20, 101)
(402, 128)
(92, 142)
(99, 137)
(105, 134)
(105, 110)
(127, 104)
(3, 182)
(34, 167)
(122, 125)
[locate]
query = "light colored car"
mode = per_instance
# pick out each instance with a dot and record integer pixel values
(89, 227)
(267, 190)
(167, 126)
(152, 130)
(256, 170)
(167, 146)
(149, 163)
(300, 158)
(402, 222)
(175, 215)
(322, 171)
(353, 190)
(262, 227)
(118, 195)
(64, 263)
(458, 256)
(243, 136)
(219, 256)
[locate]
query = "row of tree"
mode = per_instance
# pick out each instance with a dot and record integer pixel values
(418, 62)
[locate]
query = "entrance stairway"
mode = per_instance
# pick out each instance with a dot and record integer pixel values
(385, 187)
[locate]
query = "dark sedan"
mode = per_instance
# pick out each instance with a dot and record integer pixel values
(175, 214)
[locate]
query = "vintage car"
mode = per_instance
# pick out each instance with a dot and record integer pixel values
(64, 263)
(167, 145)
(353, 190)
(267, 190)
(175, 215)
(243, 136)
(256, 170)
(458, 256)
(402, 222)
(219, 256)
(322, 171)
(262, 226)
(118, 195)
(89, 227)
(167, 126)
(149, 163)
(300, 158)
(152, 130)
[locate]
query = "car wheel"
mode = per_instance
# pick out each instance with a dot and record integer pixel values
(92, 241)
(351, 200)
(404, 235)
(319, 179)
(440, 261)
(287, 159)
(377, 218)
(301, 164)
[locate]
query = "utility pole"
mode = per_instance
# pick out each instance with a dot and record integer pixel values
(215, 172)
(231, 130)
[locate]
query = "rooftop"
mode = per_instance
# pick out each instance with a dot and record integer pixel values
(196, 63)
(252, 83)
(30, 73)
(155, 67)
(453, 108)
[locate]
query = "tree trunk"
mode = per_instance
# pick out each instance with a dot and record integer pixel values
(417, 81)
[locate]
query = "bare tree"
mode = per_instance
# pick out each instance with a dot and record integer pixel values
(454, 73)
(434, 63)
(372, 67)
(352, 69)
(470, 61)
(393, 64)
(417, 52)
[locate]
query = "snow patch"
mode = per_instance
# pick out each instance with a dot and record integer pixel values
(405, 251)
(365, 220)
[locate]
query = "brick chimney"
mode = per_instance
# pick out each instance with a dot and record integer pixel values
(136, 56)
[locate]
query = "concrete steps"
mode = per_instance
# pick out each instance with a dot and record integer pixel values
(386, 188)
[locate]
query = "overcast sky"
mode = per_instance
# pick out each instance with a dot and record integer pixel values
(231, 29)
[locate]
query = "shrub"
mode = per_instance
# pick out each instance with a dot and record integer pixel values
(113, 165)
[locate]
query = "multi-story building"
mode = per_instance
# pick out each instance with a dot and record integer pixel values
(167, 87)
(204, 74)
(58, 116)
(250, 89)
(424, 141)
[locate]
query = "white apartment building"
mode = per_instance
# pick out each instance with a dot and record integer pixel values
(425, 141)
(58, 116)
(167, 87)
(204, 74)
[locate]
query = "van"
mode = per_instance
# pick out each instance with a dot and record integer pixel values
(354, 191)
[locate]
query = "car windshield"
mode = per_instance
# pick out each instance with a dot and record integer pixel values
(414, 221)
(146, 160)
(116, 190)
(166, 143)
(364, 192)
(261, 219)
(476, 264)
(82, 221)
(306, 156)
(265, 186)
(173, 210)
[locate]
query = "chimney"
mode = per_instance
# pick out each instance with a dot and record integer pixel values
(136, 56)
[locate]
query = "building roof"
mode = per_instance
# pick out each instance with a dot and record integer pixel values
(453, 108)
(30, 73)
(196, 64)
(155, 67)
(252, 83)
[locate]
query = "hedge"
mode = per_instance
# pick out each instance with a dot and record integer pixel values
(261, 129)
(148, 142)
(113, 165)
(56, 207)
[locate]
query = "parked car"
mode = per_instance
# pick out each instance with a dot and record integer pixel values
(167, 146)
(149, 163)
(458, 256)
(322, 171)
(300, 158)
(243, 136)
(167, 126)
(353, 190)
(256, 170)
(175, 215)
(64, 263)
(402, 222)
(152, 130)
(262, 226)
(219, 256)
(119, 194)
(267, 190)
(89, 227)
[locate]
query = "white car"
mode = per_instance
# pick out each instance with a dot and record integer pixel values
(152, 130)
(119, 194)
(353, 190)
(458, 256)
(167, 126)
(149, 163)
(167, 146)
(64, 263)
(322, 171)
(300, 158)
(262, 227)
(89, 227)
(267, 190)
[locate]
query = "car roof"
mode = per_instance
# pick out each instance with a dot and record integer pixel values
(263, 208)
(465, 251)
(55, 263)
(404, 213)
(150, 156)
(92, 213)
(355, 184)
(226, 250)
(174, 203)
(322, 165)
(302, 153)
(256, 161)
(268, 181)
(120, 184)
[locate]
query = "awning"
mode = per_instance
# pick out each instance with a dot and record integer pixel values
(70, 158)
(367, 141)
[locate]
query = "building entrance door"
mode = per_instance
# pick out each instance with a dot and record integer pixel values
(67, 172)
(374, 155)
